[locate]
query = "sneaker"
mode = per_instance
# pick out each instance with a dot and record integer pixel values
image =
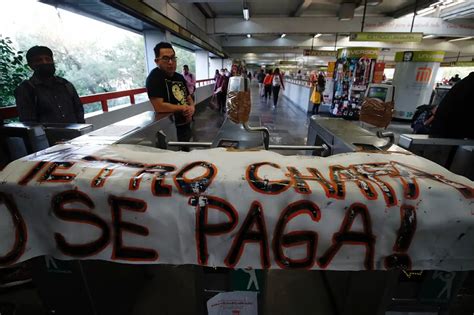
(16, 275)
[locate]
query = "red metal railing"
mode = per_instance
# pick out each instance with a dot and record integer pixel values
(10, 112)
(204, 82)
(103, 98)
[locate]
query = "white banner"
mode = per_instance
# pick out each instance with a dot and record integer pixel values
(258, 209)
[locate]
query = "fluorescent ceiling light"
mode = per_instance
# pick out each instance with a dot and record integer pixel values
(246, 13)
(425, 11)
(374, 2)
(248, 35)
(407, 15)
(317, 35)
(458, 39)
(283, 35)
(428, 36)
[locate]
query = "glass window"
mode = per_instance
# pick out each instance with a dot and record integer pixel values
(185, 57)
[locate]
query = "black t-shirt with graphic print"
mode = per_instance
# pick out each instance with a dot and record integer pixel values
(173, 90)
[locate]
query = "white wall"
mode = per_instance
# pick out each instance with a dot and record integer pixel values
(151, 39)
(101, 119)
(215, 63)
(202, 64)
(298, 95)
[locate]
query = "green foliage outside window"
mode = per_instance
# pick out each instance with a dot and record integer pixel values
(91, 68)
(185, 57)
(13, 70)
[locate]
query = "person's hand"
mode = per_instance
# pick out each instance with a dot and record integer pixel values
(188, 111)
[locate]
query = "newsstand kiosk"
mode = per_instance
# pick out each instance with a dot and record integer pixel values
(354, 71)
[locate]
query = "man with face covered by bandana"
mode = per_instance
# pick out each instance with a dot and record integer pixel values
(46, 98)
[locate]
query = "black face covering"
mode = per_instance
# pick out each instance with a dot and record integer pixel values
(45, 70)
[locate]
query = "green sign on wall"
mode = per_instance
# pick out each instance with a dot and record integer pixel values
(386, 37)
(358, 52)
(319, 53)
(419, 56)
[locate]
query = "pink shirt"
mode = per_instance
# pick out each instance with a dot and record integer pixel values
(190, 82)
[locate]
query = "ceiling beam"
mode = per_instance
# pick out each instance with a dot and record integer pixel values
(206, 10)
(411, 8)
(331, 25)
(302, 7)
(298, 43)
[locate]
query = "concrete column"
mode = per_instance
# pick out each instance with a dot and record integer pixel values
(151, 39)
(202, 64)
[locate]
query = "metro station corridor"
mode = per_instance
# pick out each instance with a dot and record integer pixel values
(286, 123)
(262, 210)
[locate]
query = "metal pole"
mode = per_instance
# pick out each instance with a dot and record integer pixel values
(414, 14)
(264, 130)
(335, 43)
(363, 16)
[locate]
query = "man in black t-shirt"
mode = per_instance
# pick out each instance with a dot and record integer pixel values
(167, 90)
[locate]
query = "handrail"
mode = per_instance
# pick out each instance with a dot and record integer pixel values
(205, 82)
(298, 81)
(104, 97)
(10, 112)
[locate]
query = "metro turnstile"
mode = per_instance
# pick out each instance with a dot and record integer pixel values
(20, 139)
(457, 155)
(396, 291)
(341, 136)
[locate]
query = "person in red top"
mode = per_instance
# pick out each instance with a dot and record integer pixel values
(267, 84)
(221, 90)
(190, 81)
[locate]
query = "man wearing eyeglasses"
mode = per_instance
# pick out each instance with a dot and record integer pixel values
(168, 92)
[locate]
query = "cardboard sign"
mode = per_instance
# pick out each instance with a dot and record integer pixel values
(255, 209)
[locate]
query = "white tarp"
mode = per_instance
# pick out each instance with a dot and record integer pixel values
(236, 209)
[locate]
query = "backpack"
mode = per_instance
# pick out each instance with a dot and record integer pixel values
(268, 79)
(276, 81)
(422, 113)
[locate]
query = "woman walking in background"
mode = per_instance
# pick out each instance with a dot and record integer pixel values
(267, 84)
(277, 82)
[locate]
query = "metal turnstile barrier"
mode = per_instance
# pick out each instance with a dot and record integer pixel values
(457, 155)
(20, 139)
(342, 136)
